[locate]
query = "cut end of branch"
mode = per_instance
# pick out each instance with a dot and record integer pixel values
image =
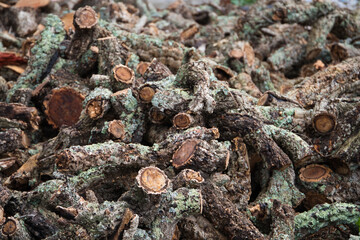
(152, 180)
(2, 217)
(314, 173)
(191, 175)
(156, 116)
(185, 152)
(85, 18)
(324, 122)
(146, 93)
(63, 107)
(117, 129)
(123, 74)
(10, 226)
(182, 120)
(264, 100)
(141, 67)
(95, 108)
(189, 32)
(236, 53)
(223, 73)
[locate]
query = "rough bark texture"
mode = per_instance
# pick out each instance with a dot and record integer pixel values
(213, 121)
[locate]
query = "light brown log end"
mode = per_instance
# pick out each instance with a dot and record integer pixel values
(95, 108)
(85, 18)
(63, 160)
(146, 93)
(223, 73)
(182, 120)
(63, 107)
(117, 129)
(2, 217)
(141, 67)
(123, 74)
(324, 122)
(156, 116)
(10, 226)
(191, 175)
(185, 152)
(152, 180)
(189, 32)
(314, 173)
(313, 54)
(236, 53)
(264, 100)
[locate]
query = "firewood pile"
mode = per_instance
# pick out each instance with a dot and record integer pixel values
(215, 121)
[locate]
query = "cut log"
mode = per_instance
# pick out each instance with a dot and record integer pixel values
(63, 107)
(152, 180)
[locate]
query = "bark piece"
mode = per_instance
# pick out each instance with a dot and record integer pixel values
(225, 216)
(152, 180)
(85, 22)
(63, 107)
(244, 82)
(318, 34)
(156, 71)
(341, 51)
(198, 227)
(326, 82)
(324, 215)
(15, 111)
(283, 225)
(253, 133)
(13, 139)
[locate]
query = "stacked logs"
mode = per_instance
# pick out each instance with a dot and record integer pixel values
(192, 122)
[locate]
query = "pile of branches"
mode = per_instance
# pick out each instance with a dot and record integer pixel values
(122, 121)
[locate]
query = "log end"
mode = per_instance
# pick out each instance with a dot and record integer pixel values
(95, 108)
(191, 175)
(142, 67)
(10, 226)
(314, 173)
(324, 122)
(152, 180)
(223, 73)
(63, 107)
(182, 120)
(146, 93)
(85, 18)
(123, 74)
(156, 116)
(185, 152)
(117, 129)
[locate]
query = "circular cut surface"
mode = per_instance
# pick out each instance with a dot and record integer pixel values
(94, 108)
(193, 175)
(185, 152)
(314, 173)
(123, 74)
(182, 120)
(156, 116)
(152, 180)
(141, 67)
(64, 107)
(86, 17)
(9, 227)
(324, 123)
(146, 93)
(116, 128)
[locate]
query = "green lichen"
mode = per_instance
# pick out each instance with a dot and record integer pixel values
(41, 54)
(99, 92)
(324, 215)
